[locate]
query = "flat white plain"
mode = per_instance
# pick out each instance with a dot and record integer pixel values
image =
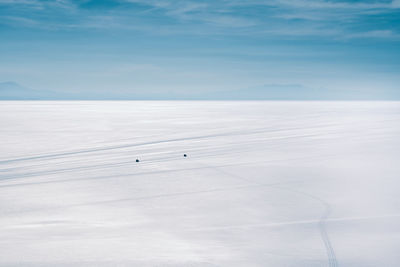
(263, 183)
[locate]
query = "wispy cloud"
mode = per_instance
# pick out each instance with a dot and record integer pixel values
(319, 18)
(396, 4)
(375, 34)
(322, 4)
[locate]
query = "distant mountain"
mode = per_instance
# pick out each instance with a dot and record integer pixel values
(273, 92)
(300, 92)
(15, 91)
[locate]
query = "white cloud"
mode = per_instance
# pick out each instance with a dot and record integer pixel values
(322, 4)
(374, 34)
(312, 17)
(396, 4)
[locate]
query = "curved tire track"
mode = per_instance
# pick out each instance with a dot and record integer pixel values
(332, 260)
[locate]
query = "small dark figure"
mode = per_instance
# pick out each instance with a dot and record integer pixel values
(137, 160)
(185, 155)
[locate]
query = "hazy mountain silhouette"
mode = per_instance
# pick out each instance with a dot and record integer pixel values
(15, 91)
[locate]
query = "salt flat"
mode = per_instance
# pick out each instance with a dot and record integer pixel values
(263, 183)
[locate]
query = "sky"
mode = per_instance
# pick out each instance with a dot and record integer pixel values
(211, 49)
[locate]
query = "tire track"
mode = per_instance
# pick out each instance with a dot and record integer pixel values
(107, 148)
(332, 260)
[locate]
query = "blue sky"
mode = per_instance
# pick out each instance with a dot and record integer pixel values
(202, 49)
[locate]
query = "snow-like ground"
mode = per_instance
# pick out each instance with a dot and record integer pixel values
(264, 184)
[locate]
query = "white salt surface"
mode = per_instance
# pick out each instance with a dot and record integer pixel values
(263, 184)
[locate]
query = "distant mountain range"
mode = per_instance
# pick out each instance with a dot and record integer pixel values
(15, 91)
